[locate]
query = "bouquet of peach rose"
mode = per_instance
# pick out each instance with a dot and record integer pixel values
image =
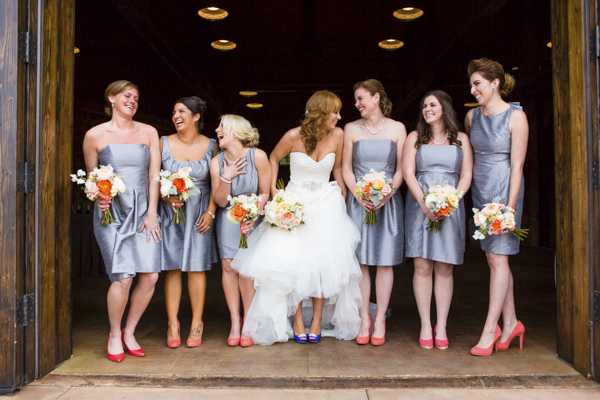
(177, 184)
(284, 211)
(103, 183)
(243, 208)
(373, 186)
(496, 219)
(442, 200)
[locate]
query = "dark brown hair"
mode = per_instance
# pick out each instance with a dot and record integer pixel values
(374, 86)
(491, 70)
(196, 106)
(424, 134)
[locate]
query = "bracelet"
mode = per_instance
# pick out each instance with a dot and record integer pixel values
(225, 179)
(213, 215)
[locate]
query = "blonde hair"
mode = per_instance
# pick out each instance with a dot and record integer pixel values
(114, 89)
(374, 86)
(491, 70)
(318, 108)
(241, 128)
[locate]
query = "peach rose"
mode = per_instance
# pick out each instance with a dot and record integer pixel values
(480, 219)
(104, 188)
(103, 174)
(367, 189)
(490, 209)
(386, 189)
(287, 217)
(378, 184)
(180, 185)
(496, 226)
(283, 206)
(238, 212)
(444, 211)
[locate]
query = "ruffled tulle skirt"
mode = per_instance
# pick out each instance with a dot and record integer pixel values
(317, 260)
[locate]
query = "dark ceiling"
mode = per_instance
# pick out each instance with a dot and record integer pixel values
(288, 49)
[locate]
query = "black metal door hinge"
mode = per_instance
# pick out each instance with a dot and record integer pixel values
(25, 310)
(25, 178)
(27, 47)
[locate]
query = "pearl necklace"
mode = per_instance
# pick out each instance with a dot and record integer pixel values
(434, 142)
(378, 130)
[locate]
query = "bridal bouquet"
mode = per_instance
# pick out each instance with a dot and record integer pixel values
(496, 219)
(177, 184)
(373, 186)
(442, 200)
(284, 211)
(101, 183)
(243, 208)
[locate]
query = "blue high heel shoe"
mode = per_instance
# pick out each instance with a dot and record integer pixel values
(314, 338)
(301, 338)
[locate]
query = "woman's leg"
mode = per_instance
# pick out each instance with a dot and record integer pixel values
(384, 282)
(231, 287)
(116, 301)
(315, 326)
(299, 328)
(140, 297)
(423, 287)
(443, 289)
(365, 291)
(197, 292)
(172, 300)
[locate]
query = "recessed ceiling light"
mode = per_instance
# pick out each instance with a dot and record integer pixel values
(223, 45)
(254, 106)
(549, 44)
(76, 50)
(470, 105)
(391, 44)
(213, 13)
(408, 14)
(248, 93)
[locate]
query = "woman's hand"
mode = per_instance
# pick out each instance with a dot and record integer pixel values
(384, 201)
(175, 201)
(235, 168)
(366, 204)
(152, 228)
(247, 226)
(204, 223)
(430, 214)
(103, 204)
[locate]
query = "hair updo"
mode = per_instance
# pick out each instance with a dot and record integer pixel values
(374, 86)
(196, 106)
(241, 128)
(114, 89)
(491, 70)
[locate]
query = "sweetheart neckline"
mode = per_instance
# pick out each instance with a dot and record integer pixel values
(326, 155)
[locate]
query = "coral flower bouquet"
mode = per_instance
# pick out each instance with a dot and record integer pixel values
(373, 186)
(442, 200)
(177, 184)
(243, 208)
(285, 211)
(103, 183)
(496, 219)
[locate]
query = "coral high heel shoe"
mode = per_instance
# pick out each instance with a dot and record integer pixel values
(195, 342)
(114, 357)
(136, 353)
(439, 343)
(478, 351)
(425, 343)
(365, 339)
(234, 341)
(174, 343)
(519, 330)
(378, 341)
(246, 341)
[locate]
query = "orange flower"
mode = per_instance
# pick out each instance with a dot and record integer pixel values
(104, 188)
(367, 188)
(238, 212)
(444, 211)
(180, 185)
(287, 216)
(496, 226)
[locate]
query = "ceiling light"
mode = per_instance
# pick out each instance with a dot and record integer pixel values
(213, 13)
(408, 14)
(391, 44)
(248, 93)
(76, 50)
(549, 44)
(223, 45)
(254, 106)
(470, 105)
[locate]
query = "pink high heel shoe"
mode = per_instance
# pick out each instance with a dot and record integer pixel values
(426, 343)
(439, 343)
(483, 352)
(519, 330)
(365, 339)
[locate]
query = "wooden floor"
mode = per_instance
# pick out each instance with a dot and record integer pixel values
(332, 363)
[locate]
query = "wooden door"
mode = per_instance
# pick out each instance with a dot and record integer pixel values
(36, 80)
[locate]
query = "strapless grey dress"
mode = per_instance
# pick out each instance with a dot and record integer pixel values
(124, 250)
(228, 234)
(183, 247)
(491, 142)
(381, 243)
(434, 166)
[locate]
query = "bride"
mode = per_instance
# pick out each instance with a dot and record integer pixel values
(317, 260)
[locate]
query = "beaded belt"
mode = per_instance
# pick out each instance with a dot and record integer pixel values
(312, 186)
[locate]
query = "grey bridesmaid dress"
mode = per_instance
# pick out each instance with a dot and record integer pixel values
(183, 247)
(125, 250)
(382, 243)
(228, 234)
(434, 166)
(491, 142)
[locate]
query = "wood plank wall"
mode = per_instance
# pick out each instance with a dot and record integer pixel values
(569, 57)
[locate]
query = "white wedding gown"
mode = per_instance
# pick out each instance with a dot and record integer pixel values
(317, 260)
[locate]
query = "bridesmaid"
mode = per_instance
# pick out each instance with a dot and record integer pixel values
(499, 133)
(240, 169)
(189, 246)
(433, 154)
(375, 142)
(132, 148)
